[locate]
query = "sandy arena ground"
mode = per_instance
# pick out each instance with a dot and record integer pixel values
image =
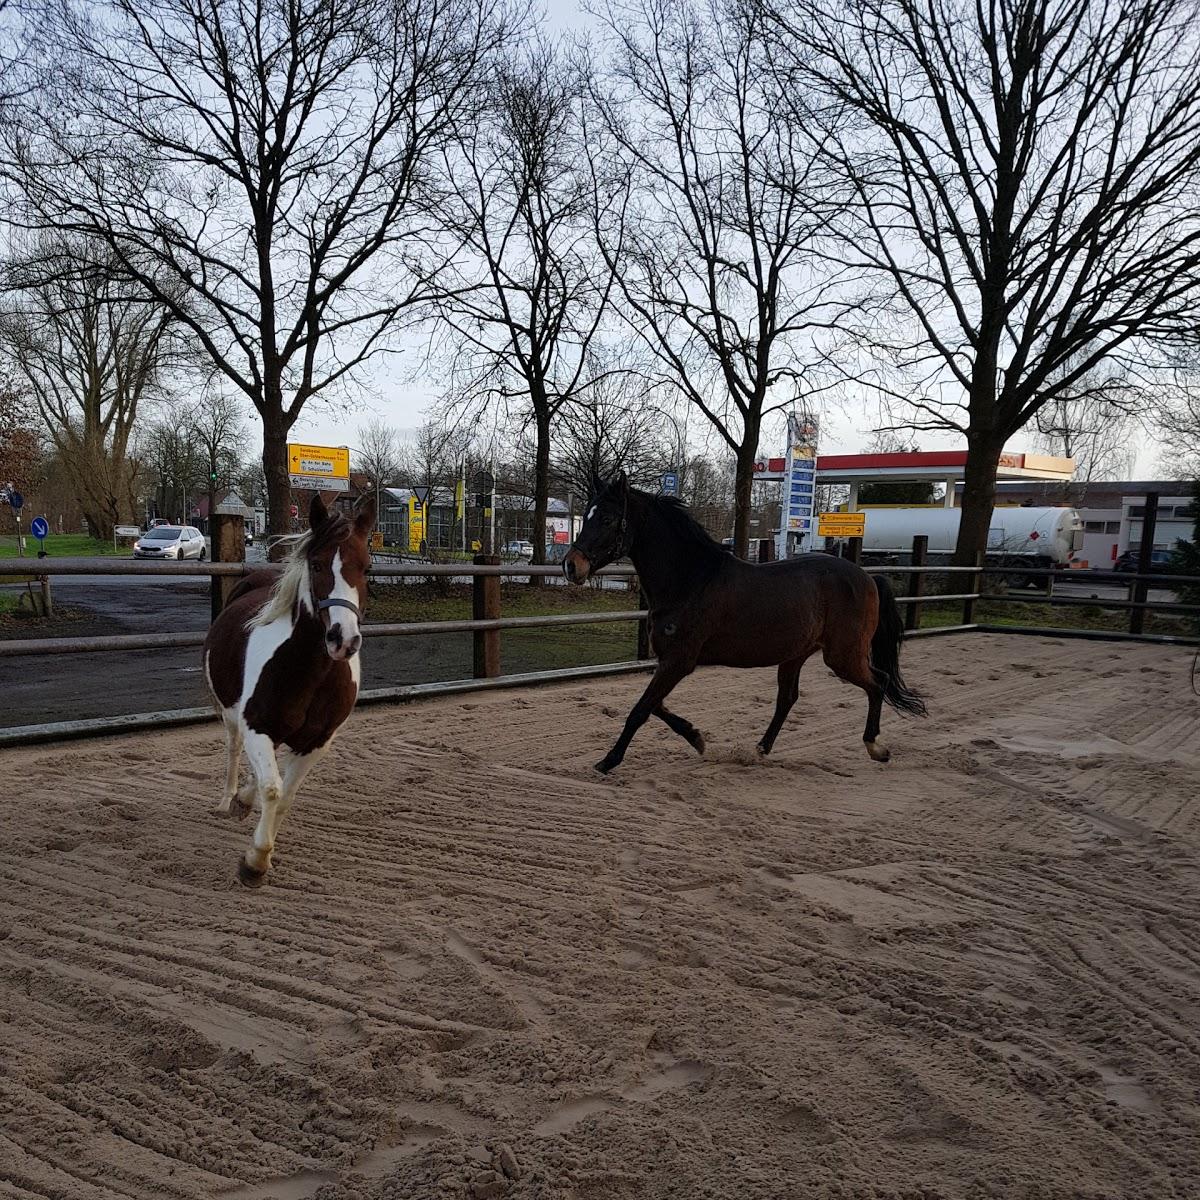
(479, 970)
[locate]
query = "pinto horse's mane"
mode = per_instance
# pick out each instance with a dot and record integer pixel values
(294, 579)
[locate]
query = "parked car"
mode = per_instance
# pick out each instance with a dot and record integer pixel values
(519, 548)
(170, 541)
(1160, 562)
(249, 536)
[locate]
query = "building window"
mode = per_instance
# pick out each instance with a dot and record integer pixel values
(1093, 526)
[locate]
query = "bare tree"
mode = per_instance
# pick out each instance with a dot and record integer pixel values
(428, 460)
(618, 425)
(21, 459)
(13, 39)
(256, 169)
(1176, 416)
(1096, 429)
(1026, 178)
(378, 452)
(174, 462)
(724, 275)
(91, 356)
(528, 290)
(218, 426)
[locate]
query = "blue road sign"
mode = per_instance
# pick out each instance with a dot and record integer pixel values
(16, 499)
(670, 483)
(39, 527)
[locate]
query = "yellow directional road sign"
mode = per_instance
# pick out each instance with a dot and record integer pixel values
(841, 524)
(321, 468)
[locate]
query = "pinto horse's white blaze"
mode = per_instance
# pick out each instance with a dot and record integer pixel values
(343, 637)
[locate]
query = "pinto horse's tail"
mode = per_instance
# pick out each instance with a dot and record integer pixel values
(885, 653)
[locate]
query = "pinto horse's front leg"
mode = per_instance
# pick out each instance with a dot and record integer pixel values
(666, 678)
(260, 752)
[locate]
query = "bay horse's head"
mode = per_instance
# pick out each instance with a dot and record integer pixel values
(325, 575)
(605, 533)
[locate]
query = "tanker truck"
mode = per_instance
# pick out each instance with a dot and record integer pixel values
(1017, 537)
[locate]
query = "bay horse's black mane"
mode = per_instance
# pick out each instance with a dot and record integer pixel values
(674, 514)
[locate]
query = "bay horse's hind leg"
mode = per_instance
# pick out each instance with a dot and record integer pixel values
(789, 689)
(682, 726)
(260, 753)
(853, 664)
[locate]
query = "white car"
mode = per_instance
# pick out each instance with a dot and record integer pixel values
(170, 541)
(519, 548)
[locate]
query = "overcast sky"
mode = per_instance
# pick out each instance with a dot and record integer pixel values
(402, 394)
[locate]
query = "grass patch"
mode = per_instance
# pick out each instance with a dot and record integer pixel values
(61, 545)
(523, 649)
(424, 602)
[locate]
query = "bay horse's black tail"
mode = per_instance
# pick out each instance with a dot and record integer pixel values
(885, 653)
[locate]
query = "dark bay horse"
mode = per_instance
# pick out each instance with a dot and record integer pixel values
(282, 663)
(709, 608)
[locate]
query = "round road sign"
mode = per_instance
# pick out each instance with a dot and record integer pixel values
(39, 527)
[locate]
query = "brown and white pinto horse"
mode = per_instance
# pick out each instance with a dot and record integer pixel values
(282, 663)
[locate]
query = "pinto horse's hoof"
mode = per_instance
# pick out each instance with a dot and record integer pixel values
(248, 876)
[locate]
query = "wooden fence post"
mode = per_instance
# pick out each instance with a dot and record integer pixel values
(485, 606)
(853, 549)
(974, 584)
(1141, 590)
(916, 581)
(643, 629)
(228, 545)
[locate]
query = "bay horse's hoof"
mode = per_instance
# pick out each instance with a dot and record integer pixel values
(604, 766)
(697, 740)
(248, 876)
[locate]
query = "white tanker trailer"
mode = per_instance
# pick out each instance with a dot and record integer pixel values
(1018, 537)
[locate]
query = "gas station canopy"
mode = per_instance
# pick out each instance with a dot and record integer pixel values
(941, 466)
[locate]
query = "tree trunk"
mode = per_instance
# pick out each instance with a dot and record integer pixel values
(742, 490)
(279, 488)
(541, 496)
(979, 498)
